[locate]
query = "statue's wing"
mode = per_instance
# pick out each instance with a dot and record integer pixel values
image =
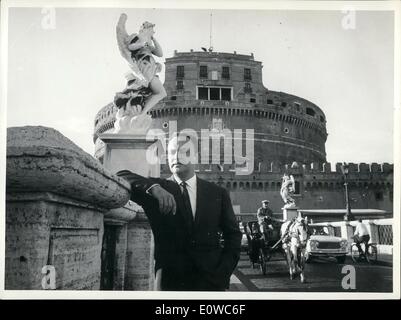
(122, 37)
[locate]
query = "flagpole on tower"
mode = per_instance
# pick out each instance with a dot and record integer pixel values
(210, 36)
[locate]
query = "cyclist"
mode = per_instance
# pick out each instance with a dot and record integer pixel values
(361, 235)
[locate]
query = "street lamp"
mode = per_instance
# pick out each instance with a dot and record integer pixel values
(348, 215)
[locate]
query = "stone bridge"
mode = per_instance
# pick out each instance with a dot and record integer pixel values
(65, 210)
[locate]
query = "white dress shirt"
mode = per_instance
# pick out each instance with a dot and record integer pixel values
(361, 230)
(191, 187)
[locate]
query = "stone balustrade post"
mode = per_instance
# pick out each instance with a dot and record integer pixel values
(116, 224)
(347, 231)
(373, 231)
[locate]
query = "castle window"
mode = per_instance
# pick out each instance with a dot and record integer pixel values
(283, 104)
(214, 93)
(269, 101)
(310, 111)
(252, 100)
(173, 97)
(248, 88)
(180, 84)
(203, 93)
(247, 74)
(225, 94)
(203, 72)
(379, 196)
(180, 72)
(225, 73)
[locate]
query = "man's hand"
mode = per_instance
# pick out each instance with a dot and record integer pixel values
(166, 200)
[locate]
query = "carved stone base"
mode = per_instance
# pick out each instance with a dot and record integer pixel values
(140, 251)
(130, 152)
(290, 213)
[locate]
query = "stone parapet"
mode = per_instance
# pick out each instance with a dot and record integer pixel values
(56, 199)
(41, 159)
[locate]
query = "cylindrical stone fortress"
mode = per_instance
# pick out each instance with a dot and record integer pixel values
(212, 90)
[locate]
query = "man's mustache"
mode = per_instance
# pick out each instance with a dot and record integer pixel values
(175, 163)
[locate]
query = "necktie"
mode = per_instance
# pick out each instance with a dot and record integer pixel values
(187, 201)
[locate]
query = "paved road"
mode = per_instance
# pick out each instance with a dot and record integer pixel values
(321, 275)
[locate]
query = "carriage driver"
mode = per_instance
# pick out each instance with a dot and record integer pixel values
(265, 216)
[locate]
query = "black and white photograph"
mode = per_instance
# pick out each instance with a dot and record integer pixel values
(191, 149)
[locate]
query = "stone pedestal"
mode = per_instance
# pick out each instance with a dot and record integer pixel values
(130, 152)
(140, 255)
(289, 213)
(116, 222)
(56, 196)
(134, 153)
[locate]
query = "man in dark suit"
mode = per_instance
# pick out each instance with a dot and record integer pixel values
(187, 216)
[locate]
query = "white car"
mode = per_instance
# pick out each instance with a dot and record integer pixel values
(321, 244)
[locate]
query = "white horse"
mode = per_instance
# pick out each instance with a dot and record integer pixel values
(294, 236)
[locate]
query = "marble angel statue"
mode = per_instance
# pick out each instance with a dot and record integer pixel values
(144, 88)
(287, 190)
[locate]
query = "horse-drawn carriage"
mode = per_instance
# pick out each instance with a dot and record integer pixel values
(285, 237)
(262, 245)
(288, 237)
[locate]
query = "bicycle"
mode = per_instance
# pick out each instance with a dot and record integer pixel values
(369, 252)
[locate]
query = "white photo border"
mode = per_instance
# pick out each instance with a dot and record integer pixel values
(393, 6)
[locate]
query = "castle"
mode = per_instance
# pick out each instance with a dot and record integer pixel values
(218, 91)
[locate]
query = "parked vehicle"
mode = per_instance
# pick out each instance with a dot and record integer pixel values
(322, 244)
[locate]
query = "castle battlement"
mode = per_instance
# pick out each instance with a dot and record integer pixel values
(315, 171)
(326, 167)
(314, 176)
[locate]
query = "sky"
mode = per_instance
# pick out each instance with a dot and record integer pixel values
(60, 74)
